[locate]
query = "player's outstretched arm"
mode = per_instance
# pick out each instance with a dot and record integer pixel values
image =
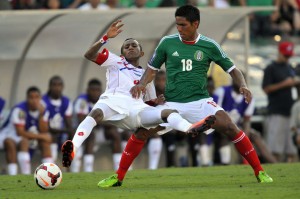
(239, 79)
(113, 31)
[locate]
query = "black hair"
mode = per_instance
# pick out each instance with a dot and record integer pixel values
(127, 40)
(94, 81)
(55, 78)
(191, 13)
(32, 89)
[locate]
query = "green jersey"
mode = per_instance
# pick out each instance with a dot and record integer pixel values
(187, 65)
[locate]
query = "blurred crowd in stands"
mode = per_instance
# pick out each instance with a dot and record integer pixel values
(284, 20)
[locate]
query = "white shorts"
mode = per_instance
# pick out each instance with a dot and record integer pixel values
(12, 135)
(194, 111)
(123, 111)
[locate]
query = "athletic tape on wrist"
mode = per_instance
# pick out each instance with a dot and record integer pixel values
(104, 39)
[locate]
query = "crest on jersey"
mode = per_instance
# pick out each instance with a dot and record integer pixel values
(198, 55)
(21, 115)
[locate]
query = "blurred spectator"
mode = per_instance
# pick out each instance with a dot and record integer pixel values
(265, 23)
(52, 4)
(23, 4)
(279, 79)
(112, 3)
(82, 106)
(139, 3)
(290, 15)
(27, 123)
(147, 4)
(94, 5)
(71, 4)
(60, 109)
(5, 5)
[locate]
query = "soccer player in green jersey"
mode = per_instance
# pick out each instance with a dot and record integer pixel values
(187, 57)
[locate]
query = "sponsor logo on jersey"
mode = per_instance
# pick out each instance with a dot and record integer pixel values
(175, 54)
(198, 55)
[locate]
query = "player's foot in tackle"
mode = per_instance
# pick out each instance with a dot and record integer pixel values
(68, 153)
(203, 125)
(263, 177)
(111, 181)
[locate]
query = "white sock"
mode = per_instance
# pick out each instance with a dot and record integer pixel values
(154, 151)
(178, 123)
(54, 148)
(205, 155)
(76, 162)
(12, 169)
(116, 160)
(47, 160)
(88, 163)
(83, 131)
(24, 162)
(225, 154)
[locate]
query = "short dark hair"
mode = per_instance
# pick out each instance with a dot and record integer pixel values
(130, 39)
(191, 13)
(94, 81)
(32, 89)
(55, 78)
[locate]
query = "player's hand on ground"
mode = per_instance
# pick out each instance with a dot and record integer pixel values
(247, 94)
(137, 91)
(115, 29)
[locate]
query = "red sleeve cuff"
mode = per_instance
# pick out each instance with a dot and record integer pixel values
(102, 57)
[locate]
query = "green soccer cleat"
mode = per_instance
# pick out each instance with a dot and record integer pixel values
(111, 181)
(263, 177)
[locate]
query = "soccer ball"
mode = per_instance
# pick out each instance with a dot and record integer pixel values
(48, 176)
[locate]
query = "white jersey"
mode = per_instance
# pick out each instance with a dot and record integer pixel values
(117, 104)
(121, 76)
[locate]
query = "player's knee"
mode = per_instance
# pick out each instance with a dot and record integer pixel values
(166, 112)
(9, 144)
(142, 134)
(97, 114)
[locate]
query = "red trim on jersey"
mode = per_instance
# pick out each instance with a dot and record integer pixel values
(102, 57)
(189, 42)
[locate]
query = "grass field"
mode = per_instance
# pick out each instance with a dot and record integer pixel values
(234, 182)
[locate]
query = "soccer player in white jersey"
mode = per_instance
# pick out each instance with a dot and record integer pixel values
(116, 105)
(187, 57)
